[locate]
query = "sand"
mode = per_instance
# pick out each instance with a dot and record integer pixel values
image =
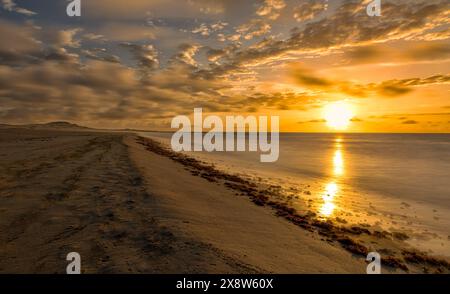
(128, 210)
(233, 224)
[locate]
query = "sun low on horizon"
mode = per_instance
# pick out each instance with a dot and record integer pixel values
(321, 66)
(338, 115)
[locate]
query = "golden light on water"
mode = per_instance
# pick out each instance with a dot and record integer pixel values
(332, 188)
(338, 115)
(327, 209)
(330, 191)
(328, 206)
(338, 158)
(338, 163)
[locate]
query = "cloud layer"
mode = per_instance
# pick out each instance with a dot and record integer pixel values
(138, 63)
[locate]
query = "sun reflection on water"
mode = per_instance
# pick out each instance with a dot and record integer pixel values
(338, 163)
(332, 188)
(328, 206)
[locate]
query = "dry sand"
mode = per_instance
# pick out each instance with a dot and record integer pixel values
(127, 210)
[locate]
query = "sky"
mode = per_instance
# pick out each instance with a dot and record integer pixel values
(139, 63)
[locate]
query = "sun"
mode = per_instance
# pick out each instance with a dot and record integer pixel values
(338, 115)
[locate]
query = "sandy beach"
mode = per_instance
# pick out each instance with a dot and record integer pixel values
(225, 137)
(128, 210)
(233, 225)
(126, 204)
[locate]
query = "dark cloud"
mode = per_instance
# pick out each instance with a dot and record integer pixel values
(18, 44)
(410, 122)
(10, 5)
(146, 55)
(389, 88)
(396, 52)
(362, 54)
(307, 78)
(100, 54)
(431, 51)
(186, 55)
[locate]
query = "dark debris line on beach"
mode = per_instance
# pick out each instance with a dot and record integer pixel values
(309, 222)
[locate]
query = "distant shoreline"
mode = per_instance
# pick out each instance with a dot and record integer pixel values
(68, 125)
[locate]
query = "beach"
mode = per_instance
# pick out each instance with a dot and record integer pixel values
(388, 184)
(127, 210)
(127, 204)
(78, 191)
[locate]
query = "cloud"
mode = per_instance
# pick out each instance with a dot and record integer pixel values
(410, 122)
(392, 89)
(407, 116)
(203, 30)
(101, 55)
(271, 8)
(48, 82)
(286, 100)
(429, 51)
(66, 38)
(407, 51)
(113, 68)
(388, 88)
(146, 55)
(59, 45)
(10, 5)
(206, 30)
(99, 91)
(312, 121)
(347, 26)
(94, 37)
(306, 77)
(215, 55)
(20, 45)
(252, 29)
(434, 34)
(186, 55)
(24, 47)
(309, 10)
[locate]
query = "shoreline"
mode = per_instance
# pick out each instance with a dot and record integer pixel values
(214, 214)
(128, 205)
(405, 259)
